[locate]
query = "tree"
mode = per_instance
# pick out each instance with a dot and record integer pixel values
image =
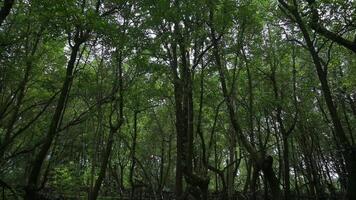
(179, 99)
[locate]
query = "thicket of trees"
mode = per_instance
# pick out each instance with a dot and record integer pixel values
(105, 97)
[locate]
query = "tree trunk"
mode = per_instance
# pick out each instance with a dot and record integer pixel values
(258, 158)
(95, 191)
(286, 168)
(114, 127)
(55, 122)
(133, 156)
(267, 169)
(348, 151)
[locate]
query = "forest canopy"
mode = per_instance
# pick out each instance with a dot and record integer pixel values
(178, 99)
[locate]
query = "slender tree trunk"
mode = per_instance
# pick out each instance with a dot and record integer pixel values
(230, 173)
(97, 138)
(262, 162)
(286, 167)
(114, 127)
(253, 183)
(55, 122)
(178, 124)
(105, 160)
(216, 166)
(348, 151)
(160, 180)
(295, 169)
(133, 156)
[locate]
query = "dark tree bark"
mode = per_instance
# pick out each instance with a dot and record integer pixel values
(5, 10)
(105, 160)
(133, 156)
(285, 133)
(348, 151)
(31, 187)
(115, 125)
(319, 28)
(262, 162)
(183, 96)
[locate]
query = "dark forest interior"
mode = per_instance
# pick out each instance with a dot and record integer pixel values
(178, 99)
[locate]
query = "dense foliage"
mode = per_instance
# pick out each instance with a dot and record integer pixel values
(248, 98)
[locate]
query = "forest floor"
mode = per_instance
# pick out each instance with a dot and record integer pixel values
(171, 196)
